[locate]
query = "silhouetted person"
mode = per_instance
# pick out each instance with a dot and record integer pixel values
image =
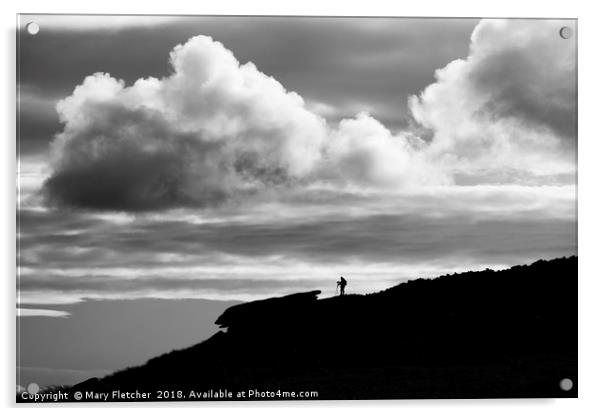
(341, 285)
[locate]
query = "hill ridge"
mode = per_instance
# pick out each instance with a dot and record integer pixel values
(504, 333)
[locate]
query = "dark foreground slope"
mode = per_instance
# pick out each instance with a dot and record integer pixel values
(510, 333)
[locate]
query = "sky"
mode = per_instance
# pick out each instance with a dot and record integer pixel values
(236, 158)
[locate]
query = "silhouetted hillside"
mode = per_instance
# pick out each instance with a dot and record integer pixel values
(509, 333)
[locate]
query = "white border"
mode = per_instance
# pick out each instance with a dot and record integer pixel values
(590, 195)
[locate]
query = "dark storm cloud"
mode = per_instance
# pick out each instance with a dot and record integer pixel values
(129, 178)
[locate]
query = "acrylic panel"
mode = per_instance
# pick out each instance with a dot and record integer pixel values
(295, 208)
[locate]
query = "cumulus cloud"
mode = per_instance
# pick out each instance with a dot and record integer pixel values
(509, 106)
(210, 130)
(214, 129)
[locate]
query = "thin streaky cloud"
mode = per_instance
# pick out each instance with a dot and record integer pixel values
(85, 22)
(25, 312)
